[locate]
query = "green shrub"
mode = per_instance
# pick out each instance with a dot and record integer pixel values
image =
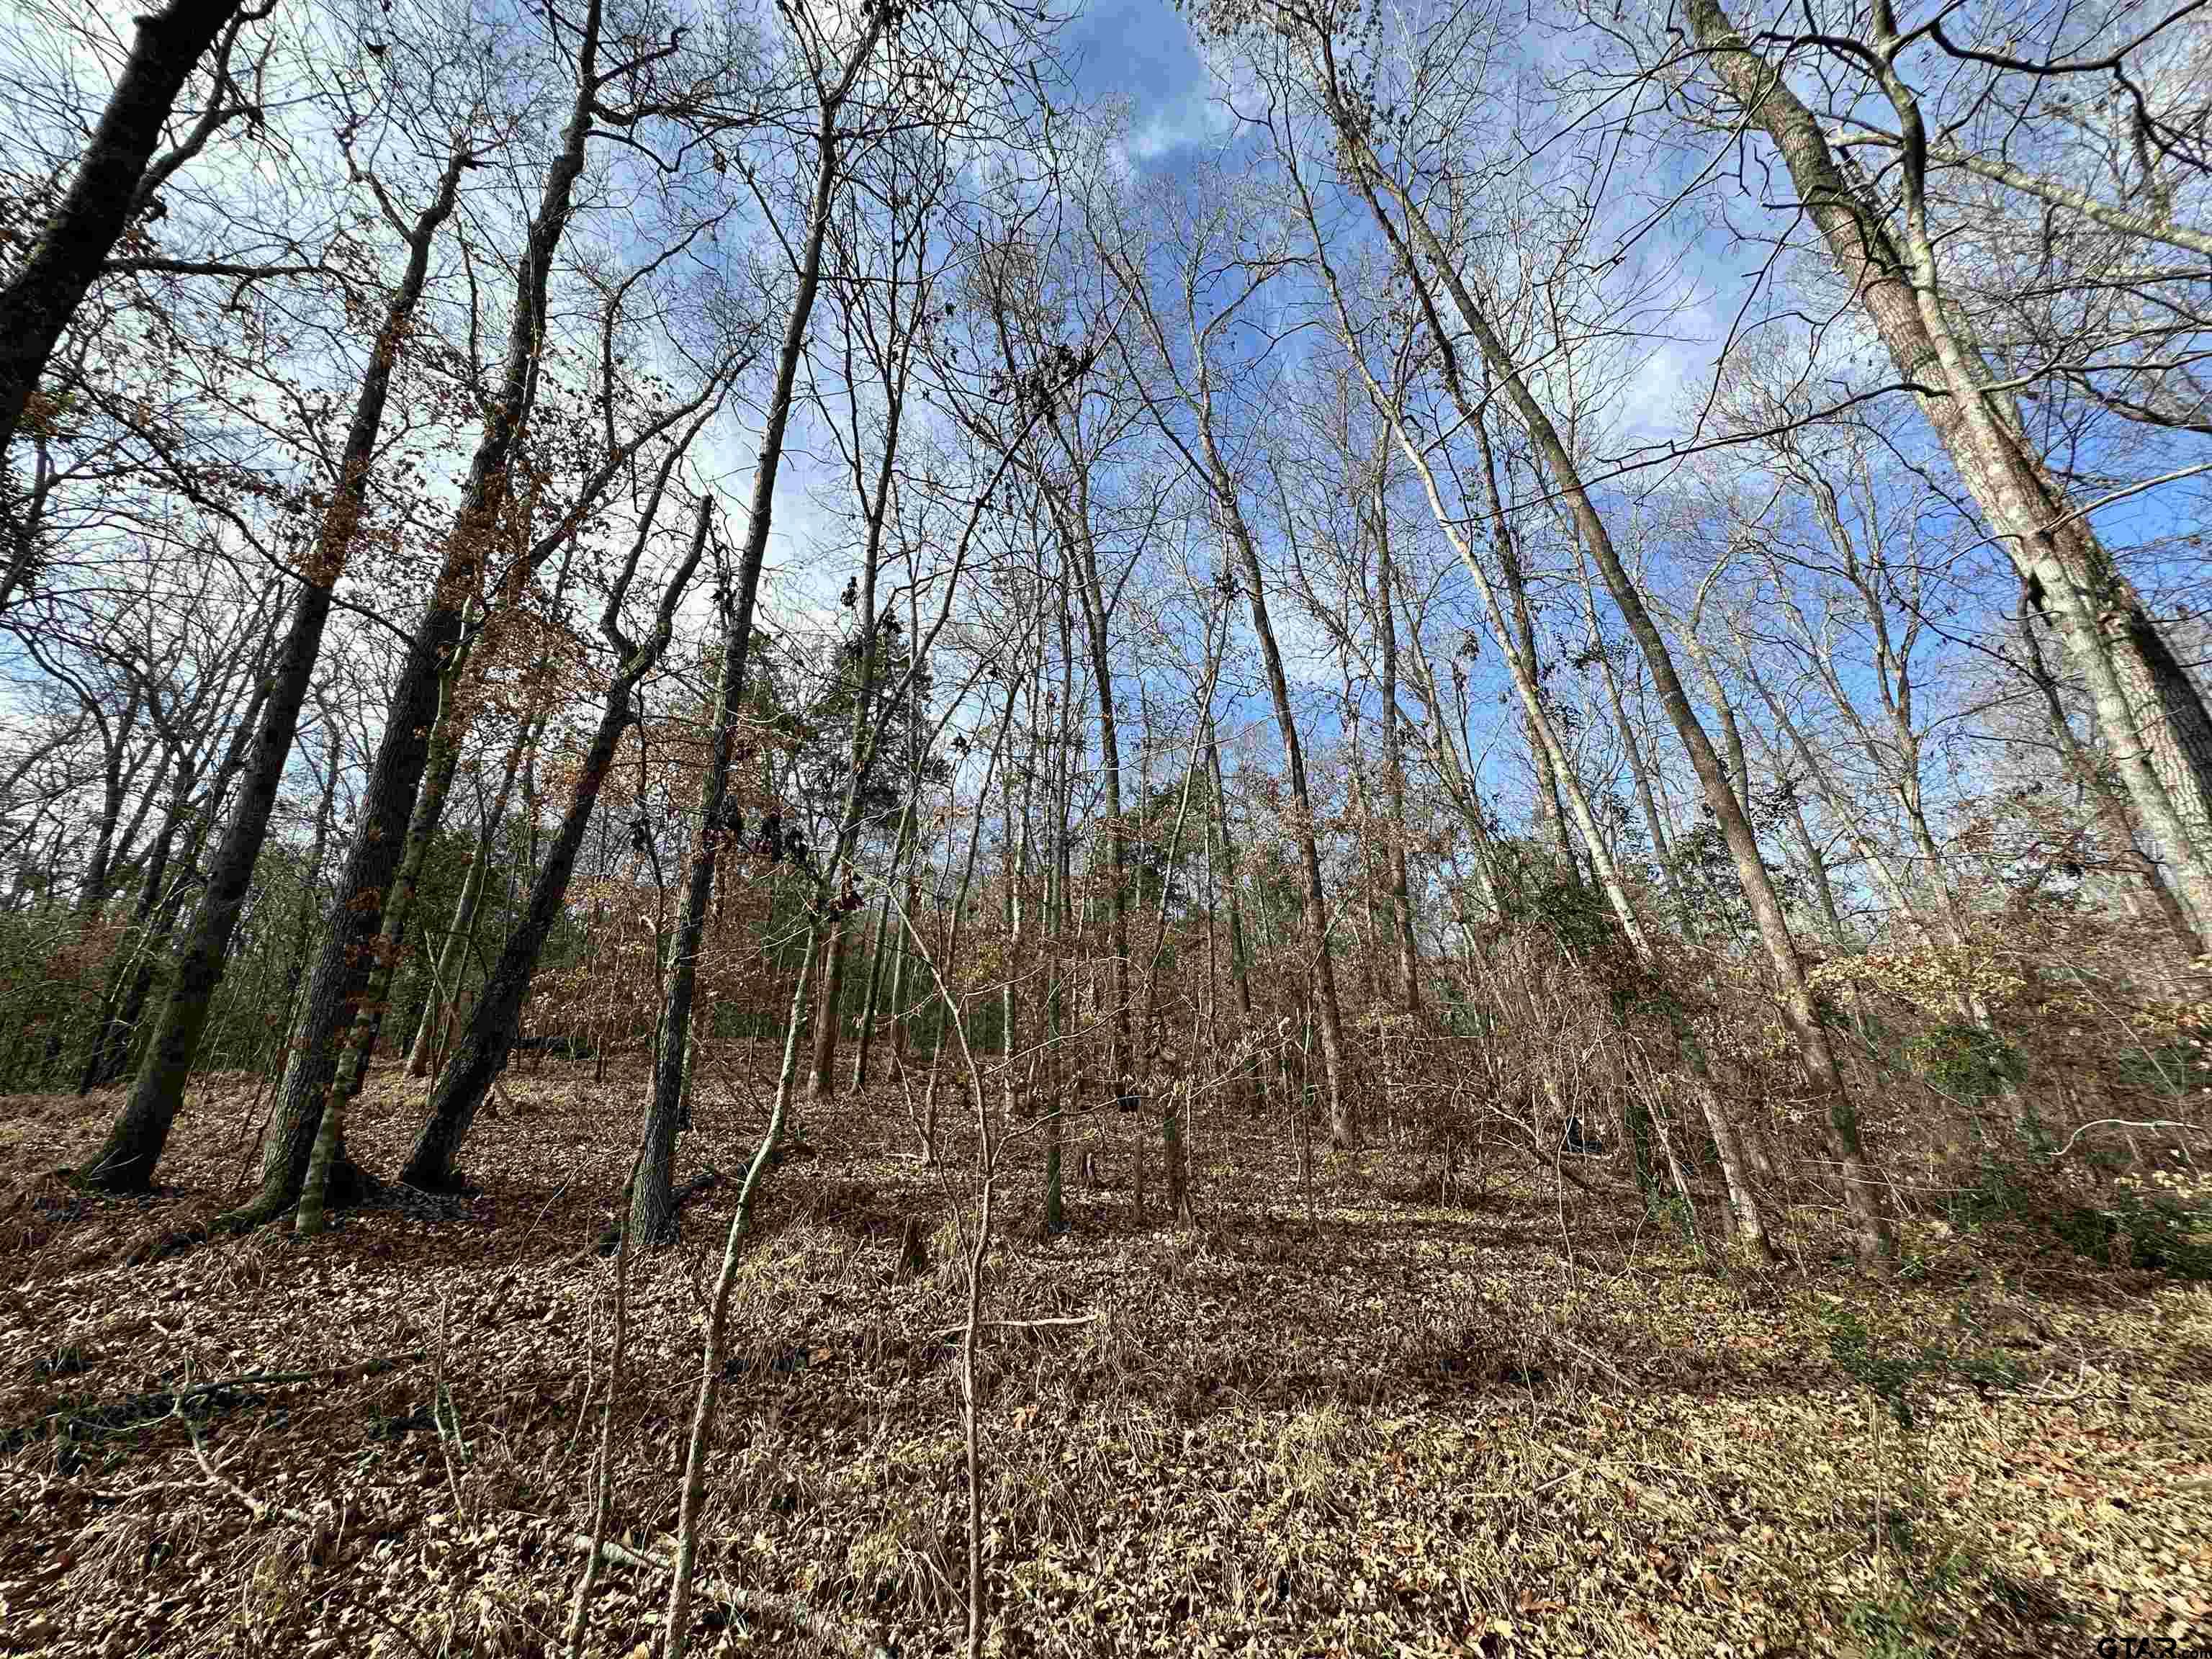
(1889, 1375)
(1966, 1062)
(2164, 1232)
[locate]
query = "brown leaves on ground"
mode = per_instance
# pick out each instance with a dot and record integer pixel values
(1367, 1427)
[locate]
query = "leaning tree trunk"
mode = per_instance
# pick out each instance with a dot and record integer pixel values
(42, 296)
(865, 1038)
(329, 1145)
(127, 1159)
(2108, 804)
(1873, 1240)
(1343, 1130)
(395, 778)
(111, 1055)
(488, 1039)
(435, 1032)
(1551, 817)
(1394, 762)
(111, 1028)
(1873, 1234)
(2152, 714)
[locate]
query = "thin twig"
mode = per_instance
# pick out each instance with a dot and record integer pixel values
(261, 1510)
(2121, 1123)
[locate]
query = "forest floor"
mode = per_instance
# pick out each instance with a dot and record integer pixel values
(1332, 1416)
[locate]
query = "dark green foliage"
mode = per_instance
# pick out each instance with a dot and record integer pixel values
(1710, 903)
(1966, 1062)
(1534, 890)
(1890, 1375)
(2160, 1234)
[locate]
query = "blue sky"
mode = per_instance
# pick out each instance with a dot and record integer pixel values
(1141, 51)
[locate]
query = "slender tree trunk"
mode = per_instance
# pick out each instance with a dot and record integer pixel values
(1639, 770)
(489, 1040)
(1823, 889)
(110, 1029)
(1551, 817)
(2153, 715)
(653, 1197)
(93, 888)
(1343, 1130)
(822, 1081)
(1239, 955)
(435, 1029)
(111, 1058)
(1093, 596)
(676, 1631)
(1393, 761)
(873, 1004)
(1015, 854)
(327, 1147)
(133, 1148)
(1871, 1239)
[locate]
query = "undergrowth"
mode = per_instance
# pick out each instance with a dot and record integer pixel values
(2163, 1229)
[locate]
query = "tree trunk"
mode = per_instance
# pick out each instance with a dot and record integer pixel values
(133, 1148)
(2108, 804)
(866, 1036)
(435, 1031)
(1093, 596)
(134, 954)
(395, 778)
(821, 1080)
(1393, 761)
(38, 300)
(1551, 818)
(652, 1198)
(328, 1144)
(1871, 1239)
(1239, 955)
(1751, 1226)
(112, 1057)
(2152, 714)
(1343, 1130)
(489, 1040)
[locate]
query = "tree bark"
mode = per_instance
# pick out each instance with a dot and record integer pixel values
(488, 1039)
(395, 779)
(435, 1029)
(1343, 1128)
(2152, 714)
(1551, 817)
(2109, 804)
(1872, 1240)
(1394, 762)
(652, 1198)
(385, 954)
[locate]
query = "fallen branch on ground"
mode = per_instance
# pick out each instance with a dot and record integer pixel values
(261, 1509)
(134, 1410)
